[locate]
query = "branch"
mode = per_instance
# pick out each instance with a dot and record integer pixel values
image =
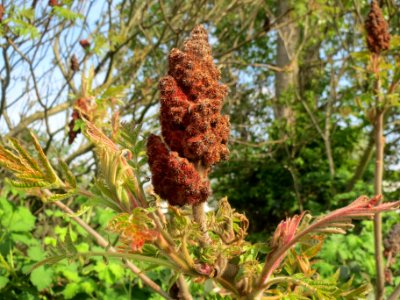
(362, 164)
(36, 116)
(5, 82)
(396, 294)
(80, 151)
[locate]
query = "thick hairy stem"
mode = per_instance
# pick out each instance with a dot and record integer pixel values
(103, 243)
(198, 210)
(184, 292)
(379, 146)
(200, 218)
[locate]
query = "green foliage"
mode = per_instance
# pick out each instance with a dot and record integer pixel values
(20, 249)
(66, 13)
(353, 254)
(15, 219)
(20, 22)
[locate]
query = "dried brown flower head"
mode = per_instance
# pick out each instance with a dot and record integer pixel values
(2, 11)
(194, 131)
(74, 63)
(85, 44)
(392, 241)
(378, 36)
(191, 102)
(174, 178)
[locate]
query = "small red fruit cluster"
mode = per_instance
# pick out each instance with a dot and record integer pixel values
(194, 131)
(378, 36)
(53, 3)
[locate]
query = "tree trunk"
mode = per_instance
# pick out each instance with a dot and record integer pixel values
(287, 79)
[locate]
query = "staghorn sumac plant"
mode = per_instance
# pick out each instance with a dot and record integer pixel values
(197, 247)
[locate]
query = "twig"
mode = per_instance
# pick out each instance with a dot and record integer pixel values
(35, 117)
(396, 294)
(362, 164)
(80, 151)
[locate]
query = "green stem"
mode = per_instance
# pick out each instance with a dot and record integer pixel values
(378, 177)
(184, 292)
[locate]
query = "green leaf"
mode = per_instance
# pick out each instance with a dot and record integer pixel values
(71, 273)
(23, 28)
(60, 197)
(3, 281)
(88, 286)
(27, 13)
(21, 220)
(68, 174)
(79, 125)
(52, 176)
(42, 277)
(65, 13)
(27, 157)
(71, 290)
(117, 91)
(36, 253)
(25, 238)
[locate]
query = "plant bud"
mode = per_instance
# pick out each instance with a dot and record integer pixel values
(378, 36)
(392, 241)
(85, 44)
(74, 63)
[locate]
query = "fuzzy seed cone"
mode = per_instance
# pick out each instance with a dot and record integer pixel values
(74, 63)
(191, 102)
(2, 11)
(378, 36)
(174, 178)
(392, 241)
